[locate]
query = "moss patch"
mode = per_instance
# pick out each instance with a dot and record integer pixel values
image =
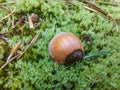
(36, 69)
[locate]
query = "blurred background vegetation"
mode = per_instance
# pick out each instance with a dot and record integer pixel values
(36, 69)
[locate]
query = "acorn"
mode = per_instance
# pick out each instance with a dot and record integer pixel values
(65, 48)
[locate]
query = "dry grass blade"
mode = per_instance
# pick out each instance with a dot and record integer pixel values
(30, 45)
(14, 51)
(90, 9)
(93, 6)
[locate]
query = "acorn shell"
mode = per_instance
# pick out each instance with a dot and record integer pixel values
(62, 45)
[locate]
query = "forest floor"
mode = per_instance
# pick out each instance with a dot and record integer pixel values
(26, 28)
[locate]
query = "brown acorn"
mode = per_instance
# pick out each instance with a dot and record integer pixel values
(65, 48)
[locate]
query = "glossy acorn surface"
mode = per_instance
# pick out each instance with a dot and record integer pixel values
(65, 48)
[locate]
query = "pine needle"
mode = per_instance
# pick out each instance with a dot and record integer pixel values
(6, 3)
(8, 15)
(30, 45)
(107, 3)
(9, 61)
(93, 6)
(18, 56)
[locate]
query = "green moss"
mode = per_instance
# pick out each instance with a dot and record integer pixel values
(36, 69)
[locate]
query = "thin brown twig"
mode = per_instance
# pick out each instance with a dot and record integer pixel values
(30, 45)
(99, 12)
(20, 54)
(93, 6)
(6, 3)
(4, 38)
(21, 22)
(115, 22)
(8, 15)
(3, 7)
(108, 3)
(9, 61)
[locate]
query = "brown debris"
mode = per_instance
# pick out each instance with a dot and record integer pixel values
(22, 20)
(35, 20)
(88, 38)
(4, 38)
(19, 53)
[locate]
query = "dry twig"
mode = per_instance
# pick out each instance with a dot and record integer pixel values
(20, 54)
(93, 6)
(9, 59)
(6, 3)
(21, 22)
(8, 15)
(4, 38)
(30, 45)
(108, 3)
(5, 8)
